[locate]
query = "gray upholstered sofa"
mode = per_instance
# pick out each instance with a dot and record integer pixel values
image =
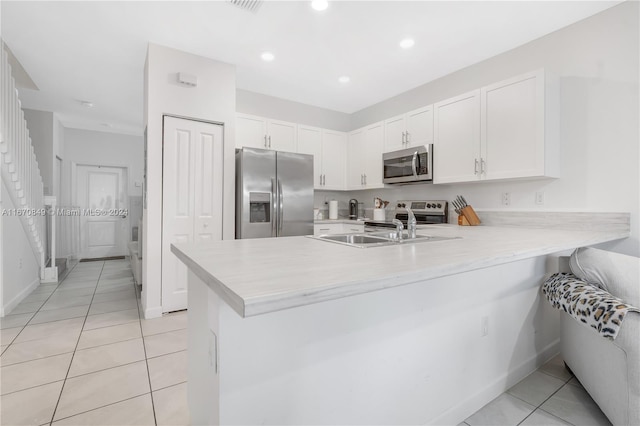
(608, 369)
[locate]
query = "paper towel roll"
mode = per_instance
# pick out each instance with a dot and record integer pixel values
(333, 209)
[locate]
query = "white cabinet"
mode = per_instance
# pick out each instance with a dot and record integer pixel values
(364, 167)
(506, 130)
(329, 150)
(334, 159)
(337, 228)
(457, 139)
(258, 132)
(408, 130)
(251, 131)
(519, 127)
(349, 228)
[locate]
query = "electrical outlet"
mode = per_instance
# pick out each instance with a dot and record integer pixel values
(485, 326)
(506, 198)
(540, 198)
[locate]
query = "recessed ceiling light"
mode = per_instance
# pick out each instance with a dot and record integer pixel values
(407, 43)
(267, 56)
(319, 5)
(344, 79)
(109, 125)
(86, 104)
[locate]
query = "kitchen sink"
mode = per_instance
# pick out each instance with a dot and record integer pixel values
(376, 239)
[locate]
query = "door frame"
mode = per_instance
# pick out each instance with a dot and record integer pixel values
(74, 192)
(200, 120)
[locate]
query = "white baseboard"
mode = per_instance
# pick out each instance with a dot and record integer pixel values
(455, 415)
(7, 308)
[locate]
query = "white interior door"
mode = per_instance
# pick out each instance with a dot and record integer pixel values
(191, 197)
(101, 193)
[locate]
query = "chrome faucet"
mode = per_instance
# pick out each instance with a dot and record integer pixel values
(399, 228)
(411, 224)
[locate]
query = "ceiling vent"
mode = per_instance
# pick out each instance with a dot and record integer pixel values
(249, 5)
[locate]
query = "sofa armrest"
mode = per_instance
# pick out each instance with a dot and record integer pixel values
(616, 273)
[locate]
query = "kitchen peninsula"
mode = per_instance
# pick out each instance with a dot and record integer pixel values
(300, 331)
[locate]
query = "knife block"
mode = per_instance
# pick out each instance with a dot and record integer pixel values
(470, 215)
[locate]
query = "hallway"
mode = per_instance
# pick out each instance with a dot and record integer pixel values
(78, 353)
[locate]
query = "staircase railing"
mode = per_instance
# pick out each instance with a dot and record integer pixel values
(20, 170)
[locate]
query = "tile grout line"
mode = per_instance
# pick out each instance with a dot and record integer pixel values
(53, 415)
(106, 405)
(43, 303)
(146, 361)
(548, 398)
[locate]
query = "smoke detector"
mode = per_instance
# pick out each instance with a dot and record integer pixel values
(248, 5)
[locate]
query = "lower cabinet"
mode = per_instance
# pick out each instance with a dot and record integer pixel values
(337, 228)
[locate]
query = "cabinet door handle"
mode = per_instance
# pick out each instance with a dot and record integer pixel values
(320, 180)
(475, 167)
(404, 138)
(324, 180)
(269, 141)
(407, 137)
(365, 179)
(361, 179)
(265, 141)
(482, 166)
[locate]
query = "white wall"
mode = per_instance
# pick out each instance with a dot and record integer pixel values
(86, 147)
(214, 99)
(412, 354)
(282, 109)
(20, 271)
(46, 135)
(40, 125)
(597, 62)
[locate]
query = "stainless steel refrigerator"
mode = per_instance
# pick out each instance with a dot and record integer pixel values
(274, 193)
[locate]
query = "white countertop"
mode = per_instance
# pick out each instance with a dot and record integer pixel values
(258, 276)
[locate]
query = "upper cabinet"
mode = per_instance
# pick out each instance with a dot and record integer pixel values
(334, 159)
(456, 151)
(408, 130)
(364, 167)
(506, 130)
(520, 128)
(329, 149)
(258, 132)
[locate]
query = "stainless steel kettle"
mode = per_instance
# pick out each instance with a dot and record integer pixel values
(353, 209)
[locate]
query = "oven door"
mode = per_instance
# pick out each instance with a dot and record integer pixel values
(408, 165)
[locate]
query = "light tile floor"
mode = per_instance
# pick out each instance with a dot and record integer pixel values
(549, 396)
(78, 353)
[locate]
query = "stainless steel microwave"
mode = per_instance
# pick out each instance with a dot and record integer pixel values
(412, 165)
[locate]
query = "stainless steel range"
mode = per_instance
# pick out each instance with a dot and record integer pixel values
(425, 211)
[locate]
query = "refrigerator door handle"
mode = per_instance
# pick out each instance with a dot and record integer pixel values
(274, 208)
(281, 207)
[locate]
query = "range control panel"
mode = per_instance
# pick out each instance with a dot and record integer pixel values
(432, 207)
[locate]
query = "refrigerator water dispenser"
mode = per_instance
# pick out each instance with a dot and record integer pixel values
(259, 207)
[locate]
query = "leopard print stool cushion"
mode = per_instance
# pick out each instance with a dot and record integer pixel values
(590, 305)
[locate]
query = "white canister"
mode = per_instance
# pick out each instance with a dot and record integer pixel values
(333, 209)
(379, 214)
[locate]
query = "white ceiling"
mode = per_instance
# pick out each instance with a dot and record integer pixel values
(95, 51)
